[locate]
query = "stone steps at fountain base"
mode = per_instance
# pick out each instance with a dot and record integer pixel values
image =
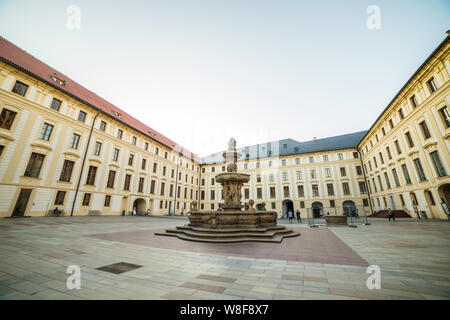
(269, 234)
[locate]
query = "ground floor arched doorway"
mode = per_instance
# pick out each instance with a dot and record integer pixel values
(349, 208)
(444, 195)
(317, 208)
(287, 205)
(140, 205)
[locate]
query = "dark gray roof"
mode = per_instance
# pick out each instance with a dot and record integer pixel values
(291, 147)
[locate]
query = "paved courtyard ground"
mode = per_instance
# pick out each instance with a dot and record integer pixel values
(323, 263)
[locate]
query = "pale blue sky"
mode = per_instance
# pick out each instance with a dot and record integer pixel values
(201, 71)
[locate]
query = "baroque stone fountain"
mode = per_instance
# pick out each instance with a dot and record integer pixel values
(230, 223)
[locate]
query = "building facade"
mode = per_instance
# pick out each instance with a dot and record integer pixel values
(63, 146)
(406, 152)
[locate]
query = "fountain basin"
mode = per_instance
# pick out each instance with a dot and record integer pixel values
(232, 219)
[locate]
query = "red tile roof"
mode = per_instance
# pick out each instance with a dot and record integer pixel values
(17, 57)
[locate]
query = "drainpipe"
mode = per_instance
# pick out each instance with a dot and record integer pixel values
(198, 188)
(365, 181)
(82, 165)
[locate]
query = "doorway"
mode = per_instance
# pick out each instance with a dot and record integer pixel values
(140, 205)
(21, 204)
(349, 208)
(288, 205)
(317, 208)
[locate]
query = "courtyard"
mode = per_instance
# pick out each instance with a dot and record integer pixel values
(121, 258)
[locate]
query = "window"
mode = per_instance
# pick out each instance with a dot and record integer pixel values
(315, 190)
(126, 185)
(212, 194)
(302, 204)
(245, 166)
(330, 189)
(419, 169)
(246, 193)
(311, 159)
(162, 188)
(141, 185)
(413, 101)
(365, 202)
(46, 132)
(430, 197)
(34, 165)
(66, 172)
(272, 193)
(115, 154)
(111, 178)
(397, 146)
(102, 125)
(362, 187)
(332, 204)
(55, 104)
(358, 170)
(258, 178)
(301, 191)
(146, 146)
(20, 88)
(171, 190)
(91, 175)
(388, 183)
(119, 133)
(380, 183)
(258, 165)
(313, 174)
(381, 158)
(389, 153)
(375, 162)
(259, 193)
(130, 159)
(1, 150)
(156, 151)
(297, 161)
(271, 178)
(340, 156)
(355, 155)
(82, 116)
(202, 195)
(98, 147)
(409, 139)
(133, 140)
(425, 131)
(402, 200)
(370, 165)
(86, 199)
(343, 173)
(75, 140)
(432, 85)
(437, 164)
(107, 200)
(286, 191)
(445, 116)
(60, 195)
(406, 174)
(325, 157)
(374, 185)
(223, 168)
(328, 172)
(283, 162)
(273, 205)
(144, 164)
(270, 163)
(212, 180)
(397, 181)
(400, 114)
(299, 175)
(152, 187)
(7, 118)
(284, 175)
(346, 188)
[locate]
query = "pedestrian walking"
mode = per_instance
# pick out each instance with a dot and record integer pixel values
(299, 219)
(391, 215)
(134, 211)
(356, 214)
(290, 216)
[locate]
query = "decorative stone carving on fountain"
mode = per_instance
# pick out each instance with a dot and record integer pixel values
(230, 223)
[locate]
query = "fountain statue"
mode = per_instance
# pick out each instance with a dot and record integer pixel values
(230, 223)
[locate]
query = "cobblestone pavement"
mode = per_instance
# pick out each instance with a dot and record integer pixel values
(414, 257)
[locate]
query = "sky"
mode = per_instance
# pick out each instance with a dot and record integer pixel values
(201, 71)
